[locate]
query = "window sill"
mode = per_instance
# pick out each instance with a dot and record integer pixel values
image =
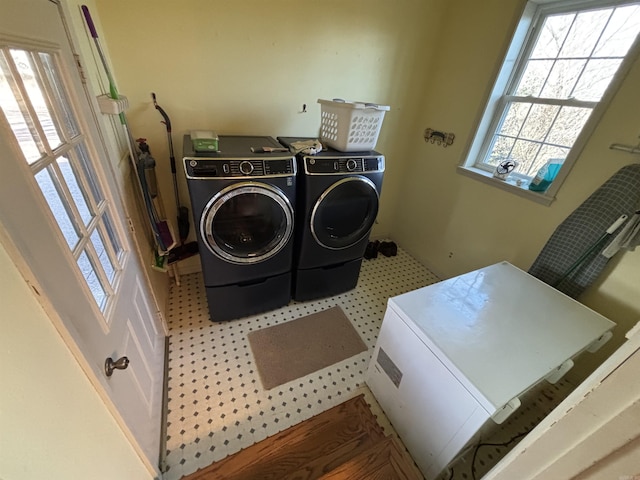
(509, 185)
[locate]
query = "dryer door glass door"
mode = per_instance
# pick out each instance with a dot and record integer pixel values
(345, 212)
(247, 223)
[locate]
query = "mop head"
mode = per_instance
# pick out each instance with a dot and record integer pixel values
(159, 262)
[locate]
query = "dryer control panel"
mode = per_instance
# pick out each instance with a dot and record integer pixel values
(204, 168)
(339, 165)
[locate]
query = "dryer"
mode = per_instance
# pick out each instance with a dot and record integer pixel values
(243, 207)
(337, 205)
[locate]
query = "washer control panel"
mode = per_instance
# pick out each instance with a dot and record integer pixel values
(204, 168)
(323, 165)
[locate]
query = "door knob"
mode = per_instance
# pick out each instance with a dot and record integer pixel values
(110, 365)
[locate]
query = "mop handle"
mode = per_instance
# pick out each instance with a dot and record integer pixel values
(94, 34)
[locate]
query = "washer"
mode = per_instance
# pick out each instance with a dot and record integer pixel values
(338, 199)
(243, 209)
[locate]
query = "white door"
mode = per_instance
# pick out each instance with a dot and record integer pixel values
(59, 205)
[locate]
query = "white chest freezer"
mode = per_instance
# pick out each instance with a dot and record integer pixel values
(452, 355)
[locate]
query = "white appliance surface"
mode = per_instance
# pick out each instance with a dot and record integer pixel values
(451, 355)
(499, 330)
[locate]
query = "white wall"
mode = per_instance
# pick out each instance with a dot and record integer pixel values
(53, 424)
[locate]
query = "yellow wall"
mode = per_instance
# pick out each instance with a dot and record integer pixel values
(53, 424)
(465, 224)
(247, 67)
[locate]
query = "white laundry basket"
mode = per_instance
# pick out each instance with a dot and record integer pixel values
(350, 126)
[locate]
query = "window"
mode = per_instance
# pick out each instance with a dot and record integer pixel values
(561, 63)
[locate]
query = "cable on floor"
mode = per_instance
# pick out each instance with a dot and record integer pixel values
(475, 451)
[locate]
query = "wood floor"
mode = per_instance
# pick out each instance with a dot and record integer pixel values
(344, 442)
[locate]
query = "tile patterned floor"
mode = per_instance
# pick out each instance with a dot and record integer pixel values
(217, 405)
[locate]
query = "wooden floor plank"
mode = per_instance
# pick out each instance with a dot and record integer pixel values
(299, 447)
(384, 461)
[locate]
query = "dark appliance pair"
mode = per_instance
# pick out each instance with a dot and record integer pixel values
(267, 234)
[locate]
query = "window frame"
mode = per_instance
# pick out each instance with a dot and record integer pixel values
(514, 60)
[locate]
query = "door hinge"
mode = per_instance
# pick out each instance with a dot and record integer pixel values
(83, 77)
(131, 227)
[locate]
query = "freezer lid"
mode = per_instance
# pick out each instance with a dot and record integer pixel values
(498, 329)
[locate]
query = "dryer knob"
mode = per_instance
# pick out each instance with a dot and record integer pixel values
(246, 167)
(351, 164)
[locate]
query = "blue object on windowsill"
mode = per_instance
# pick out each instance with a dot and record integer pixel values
(546, 175)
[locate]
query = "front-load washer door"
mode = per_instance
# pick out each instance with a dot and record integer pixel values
(345, 213)
(247, 222)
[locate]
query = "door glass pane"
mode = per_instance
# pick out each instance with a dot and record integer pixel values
(88, 172)
(15, 117)
(111, 234)
(75, 189)
(51, 194)
(103, 256)
(89, 273)
(30, 79)
(60, 95)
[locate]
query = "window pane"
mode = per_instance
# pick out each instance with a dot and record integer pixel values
(595, 79)
(546, 153)
(513, 120)
(89, 172)
(103, 256)
(15, 117)
(539, 122)
(89, 274)
(34, 91)
(500, 150)
(568, 126)
(60, 94)
(620, 32)
(524, 152)
(584, 33)
(57, 206)
(75, 189)
(563, 77)
(554, 31)
(533, 78)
